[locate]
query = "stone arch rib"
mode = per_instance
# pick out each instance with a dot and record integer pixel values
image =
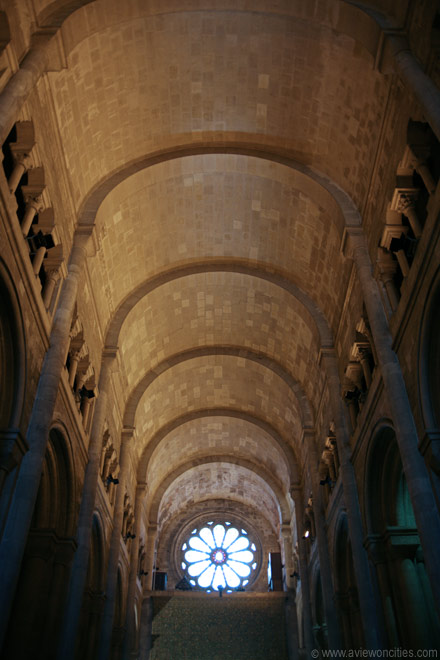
(285, 447)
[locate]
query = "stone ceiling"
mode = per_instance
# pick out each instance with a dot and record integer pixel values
(210, 144)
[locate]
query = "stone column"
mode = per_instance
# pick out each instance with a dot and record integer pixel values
(286, 534)
(78, 575)
(34, 205)
(115, 543)
(309, 642)
(387, 268)
(74, 360)
(334, 636)
(367, 601)
(22, 164)
(415, 470)
(364, 353)
(417, 81)
(52, 276)
(85, 411)
(21, 84)
(422, 168)
(378, 556)
(131, 593)
(146, 628)
(149, 560)
(407, 206)
(54, 269)
(292, 626)
(403, 262)
(25, 494)
(38, 260)
(352, 407)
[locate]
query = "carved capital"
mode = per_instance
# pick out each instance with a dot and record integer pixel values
(403, 200)
(22, 158)
(35, 201)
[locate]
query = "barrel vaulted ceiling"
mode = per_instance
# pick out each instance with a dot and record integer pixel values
(210, 144)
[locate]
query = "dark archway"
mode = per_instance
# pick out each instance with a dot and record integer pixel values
(93, 599)
(36, 613)
(12, 380)
(119, 618)
(410, 618)
(346, 589)
(318, 613)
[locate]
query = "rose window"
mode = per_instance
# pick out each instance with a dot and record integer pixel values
(219, 556)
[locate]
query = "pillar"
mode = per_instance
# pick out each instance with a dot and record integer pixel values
(364, 360)
(422, 168)
(115, 543)
(149, 560)
(78, 575)
(360, 560)
(52, 276)
(334, 637)
(292, 626)
(131, 593)
(417, 81)
(352, 407)
(22, 164)
(25, 494)
(145, 637)
(38, 260)
(386, 271)
(74, 359)
(415, 470)
(403, 262)
(85, 411)
(21, 84)
(309, 642)
(378, 556)
(286, 534)
(408, 208)
(34, 205)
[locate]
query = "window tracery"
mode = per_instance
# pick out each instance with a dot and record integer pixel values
(219, 556)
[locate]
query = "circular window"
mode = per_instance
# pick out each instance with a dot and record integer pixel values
(219, 556)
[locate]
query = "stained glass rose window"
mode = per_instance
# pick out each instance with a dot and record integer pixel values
(219, 556)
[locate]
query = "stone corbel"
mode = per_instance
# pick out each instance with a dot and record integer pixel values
(83, 374)
(326, 470)
(404, 201)
(353, 373)
(88, 393)
(21, 153)
(361, 351)
(391, 240)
